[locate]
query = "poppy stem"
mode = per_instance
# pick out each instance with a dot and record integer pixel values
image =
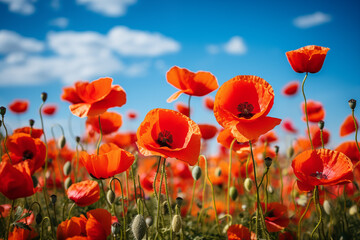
(317, 204)
(229, 179)
(301, 218)
(247, 166)
(346, 225)
(103, 192)
(100, 138)
(71, 208)
(158, 199)
(156, 174)
(322, 139)
(8, 226)
(281, 177)
(134, 180)
(42, 226)
(77, 162)
(57, 153)
(306, 113)
(189, 105)
(122, 203)
(167, 196)
(193, 192)
(5, 140)
(356, 129)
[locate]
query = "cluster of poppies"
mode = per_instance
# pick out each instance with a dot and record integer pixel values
(161, 182)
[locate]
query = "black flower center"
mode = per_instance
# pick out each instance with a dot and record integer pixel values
(319, 175)
(165, 139)
(27, 154)
(245, 110)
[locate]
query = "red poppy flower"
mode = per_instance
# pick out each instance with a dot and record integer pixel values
(98, 225)
(16, 181)
(19, 106)
(132, 114)
(23, 148)
(225, 138)
(321, 167)
(349, 148)
(84, 193)
(110, 122)
(49, 109)
(316, 136)
(315, 111)
(208, 131)
(307, 59)
(182, 108)
(24, 234)
(168, 133)
(209, 103)
(91, 99)
(288, 126)
(111, 160)
(193, 84)
(276, 217)
(268, 137)
(238, 232)
(75, 226)
(348, 126)
(291, 88)
(35, 132)
(242, 105)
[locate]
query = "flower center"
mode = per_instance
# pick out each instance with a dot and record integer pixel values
(319, 175)
(245, 110)
(27, 154)
(165, 139)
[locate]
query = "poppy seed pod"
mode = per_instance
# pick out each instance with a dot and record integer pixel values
(67, 168)
(176, 223)
(321, 124)
(115, 228)
(196, 173)
(233, 193)
(2, 110)
(352, 104)
(44, 96)
(77, 139)
(61, 142)
(179, 201)
(53, 199)
(110, 196)
(268, 162)
(38, 218)
(31, 122)
(327, 207)
(248, 184)
(138, 227)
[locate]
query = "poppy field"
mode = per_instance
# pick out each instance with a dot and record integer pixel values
(163, 182)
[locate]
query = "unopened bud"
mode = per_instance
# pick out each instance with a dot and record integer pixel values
(115, 228)
(218, 172)
(290, 152)
(270, 189)
(67, 168)
(138, 227)
(233, 193)
(38, 218)
(179, 201)
(276, 149)
(149, 221)
(176, 223)
(67, 183)
(53, 199)
(2, 110)
(44, 96)
(321, 124)
(327, 207)
(268, 162)
(248, 184)
(61, 142)
(352, 104)
(353, 210)
(110, 196)
(31, 122)
(165, 208)
(77, 139)
(196, 173)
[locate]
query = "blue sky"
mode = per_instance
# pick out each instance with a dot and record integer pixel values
(46, 45)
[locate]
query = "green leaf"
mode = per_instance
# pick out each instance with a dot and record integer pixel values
(22, 225)
(19, 210)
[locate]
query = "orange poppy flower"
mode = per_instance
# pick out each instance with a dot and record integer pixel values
(315, 111)
(209, 103)
(16, 181)
(49, 109)
(182, 108)
(84, 193)
(111, 160)
(288, 126)
(72, 227)
(348, 126)
(98, 225)
(238, 232)
(269, 137)
(350, 150)
(110, 122)
(23, 234)
(321, 167)
(122, 140)
(242, 105)
(23, 148)
(276, 217)
(208, 131)
(19, 106)
(35, 132)
(168, 133)
(291, 88)
(194, 84)
(91, 99)
(225, 138)
(307, 59)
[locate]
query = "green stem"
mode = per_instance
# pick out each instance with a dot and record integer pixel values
(159, 200)
(229, 179)
(5, 140)
(8, 226)
(71, 208)
(134, 182)
(317, 204)
(103, 192)
(156, 174)
(192, 197)
(322, 139)
(167, 196)
(356, 129)
(122, 203)
(306, 113)
(301, 218)
(281, 177)
(100, 138)
(189, 105)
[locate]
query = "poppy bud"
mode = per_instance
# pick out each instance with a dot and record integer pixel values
(270, 189)
(290, 152)
(165, 208)
(225, 229)
(38, 218)
(179, 201)
(2, 110)
(321, 124)
(149, 221)
(268, 162)
(67, 183)
(196, 173)
(77, 139)
(115, 228)
(176, 223)
(0, 123)
(353, 210)
(31, 122)
(327, 207)
(233, 193)
(248, 184)
(218, 172)
(352, 103)
(276, 149)
(67, 168)
(138, 227)
(43, 96)
(53, 199)
(110, 196)
(35, 181)
(61, 142)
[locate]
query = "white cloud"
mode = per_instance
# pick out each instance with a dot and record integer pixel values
(312, 20)
(110, 8)
(60, 22)
(12, 42)
(24, 7)
(81, 56)
(235, 46)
